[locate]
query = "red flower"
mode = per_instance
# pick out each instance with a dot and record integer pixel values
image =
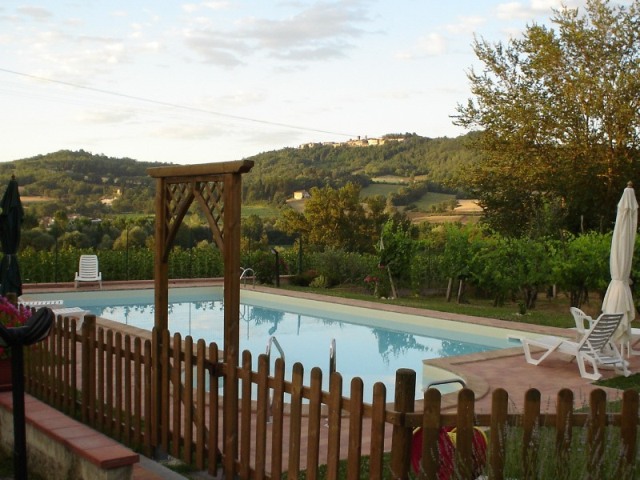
(12, 316)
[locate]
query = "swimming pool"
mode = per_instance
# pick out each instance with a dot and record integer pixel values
(370, 344)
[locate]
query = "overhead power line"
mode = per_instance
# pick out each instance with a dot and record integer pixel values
(174, 105)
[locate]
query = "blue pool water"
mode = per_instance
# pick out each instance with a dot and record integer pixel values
(370, 344)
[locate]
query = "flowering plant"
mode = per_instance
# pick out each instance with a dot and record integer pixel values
(372, 284)
(12, 316)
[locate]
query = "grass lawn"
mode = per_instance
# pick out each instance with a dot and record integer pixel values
(553, 312)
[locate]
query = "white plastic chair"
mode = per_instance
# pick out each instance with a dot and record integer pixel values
(88, 270)
(580, 318)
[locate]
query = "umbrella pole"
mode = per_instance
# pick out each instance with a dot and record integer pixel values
(19, 429)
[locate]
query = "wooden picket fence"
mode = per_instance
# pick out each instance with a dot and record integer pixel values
(106, 379)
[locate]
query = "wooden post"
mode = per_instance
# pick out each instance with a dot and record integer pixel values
(596, 432)
(498, 433)
(401, 435)
(628, 432)
(431, 424)
(232, 197)
(564, 422)
(161, 302)
(464, 433)
(88, 366)
(530, 423)
(217, 189)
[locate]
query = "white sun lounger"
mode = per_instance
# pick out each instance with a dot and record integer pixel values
(71, 312)
(595, 347)
(42, 303)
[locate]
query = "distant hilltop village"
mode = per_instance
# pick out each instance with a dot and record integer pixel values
(357, 142)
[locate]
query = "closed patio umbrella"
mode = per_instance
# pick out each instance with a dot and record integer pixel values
(10, 222)
(618, 298)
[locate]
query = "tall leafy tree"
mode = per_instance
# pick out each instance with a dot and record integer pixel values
(558, 111)
(333, 218)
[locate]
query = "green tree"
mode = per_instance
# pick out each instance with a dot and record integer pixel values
(581, 265)
(457, 253)
(333, 218)
(558, 115)
(396, 250)
(134, 237)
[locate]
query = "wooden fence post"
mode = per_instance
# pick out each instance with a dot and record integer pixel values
(431, 424)
(178, 394)
(530, 423)
(464, 433)
(628, 433)
(295, 424)
(356, 412)
(335, 422)
(564, 421)
(212, 443)
(498, 433)
(402, 435)
(315, 423)
(596, 432)
(88, 366)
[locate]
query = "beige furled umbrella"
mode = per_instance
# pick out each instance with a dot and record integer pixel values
(618, 298)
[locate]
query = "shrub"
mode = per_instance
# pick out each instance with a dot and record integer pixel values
(304, 279)
(320, 282)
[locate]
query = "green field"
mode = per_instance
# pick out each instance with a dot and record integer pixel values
(261, 210)
(424, 204)
(383, 189)
(431, 198)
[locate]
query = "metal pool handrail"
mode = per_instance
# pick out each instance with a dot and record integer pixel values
(245, 272)
(332, 356)
(273, 340)
(444, 382)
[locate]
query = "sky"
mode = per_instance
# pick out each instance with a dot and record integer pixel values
(214, 80)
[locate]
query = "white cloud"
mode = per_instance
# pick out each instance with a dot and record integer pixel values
(111, 116)
(430, 45)
(189, 7)
(215, 48)
(35, 13)
(189, 132)
(532, 9)
(465, 25)
(237, 98)
(216, 5)
(321, 31)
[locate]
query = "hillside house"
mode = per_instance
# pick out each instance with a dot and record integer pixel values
(301, 194)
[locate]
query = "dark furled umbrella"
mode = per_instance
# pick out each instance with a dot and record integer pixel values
(10, 222)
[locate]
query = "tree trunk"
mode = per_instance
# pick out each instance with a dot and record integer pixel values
(449, 288)
(461, 286)
(394, 294)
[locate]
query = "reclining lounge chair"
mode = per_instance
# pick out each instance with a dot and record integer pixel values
(595, 347)
(88, 270)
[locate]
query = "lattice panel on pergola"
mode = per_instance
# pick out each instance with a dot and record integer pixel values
(179, 197)
(212, 195)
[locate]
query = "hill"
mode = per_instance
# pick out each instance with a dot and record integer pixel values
(81, 182)
(91, 184)
(436, 162)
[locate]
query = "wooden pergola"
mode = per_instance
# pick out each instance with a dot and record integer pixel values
(217, 188)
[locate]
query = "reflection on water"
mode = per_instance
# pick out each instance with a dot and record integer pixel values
(371, 353)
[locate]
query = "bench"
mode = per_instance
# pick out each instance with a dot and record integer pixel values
(59, 447)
